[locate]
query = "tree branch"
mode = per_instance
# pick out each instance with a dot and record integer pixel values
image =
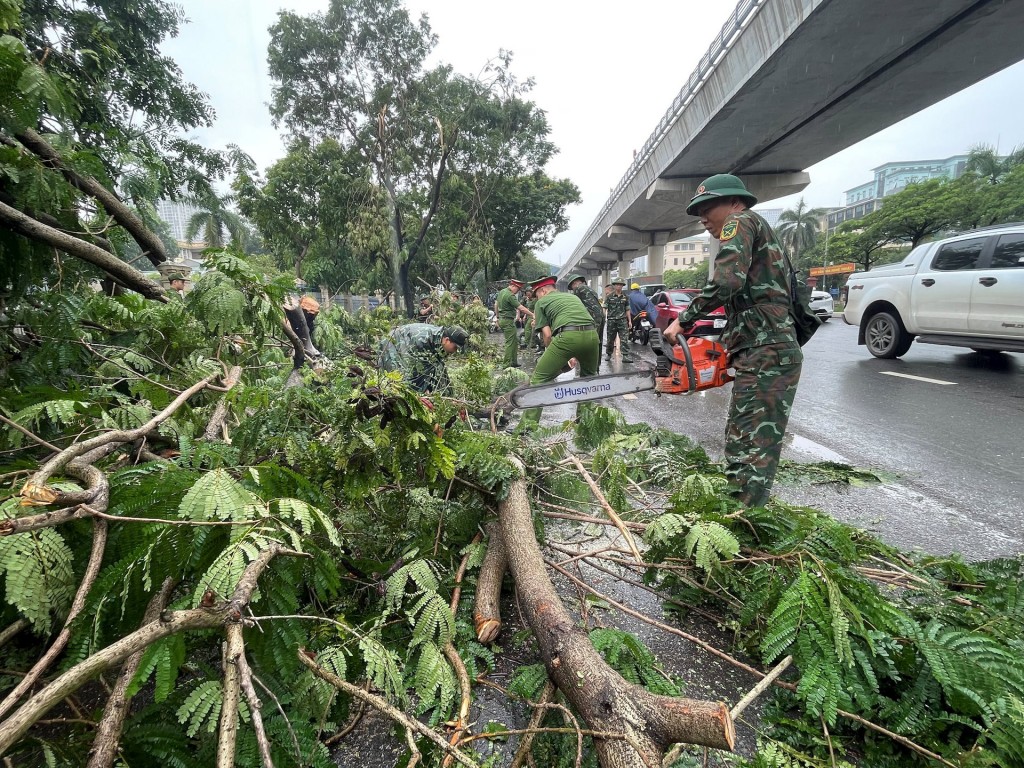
(234, 648)
(12, 729)
(104, 746)
(606, 702)
(127, 275)
(382, 706)
(121, 213)
(35, 488)
(101, 491)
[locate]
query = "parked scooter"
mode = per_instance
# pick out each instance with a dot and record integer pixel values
(492, 321)
(640, 331)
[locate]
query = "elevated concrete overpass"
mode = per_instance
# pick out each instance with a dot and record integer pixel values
(786, 84)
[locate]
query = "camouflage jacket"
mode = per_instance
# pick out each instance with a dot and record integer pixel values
(590, 301)
(616, 305)
(415, 351)
(750, 280)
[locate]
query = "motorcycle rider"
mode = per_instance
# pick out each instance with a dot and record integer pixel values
(641, 302)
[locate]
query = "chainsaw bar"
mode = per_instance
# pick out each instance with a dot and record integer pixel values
(582, 390)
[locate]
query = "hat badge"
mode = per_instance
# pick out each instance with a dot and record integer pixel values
(700, 190)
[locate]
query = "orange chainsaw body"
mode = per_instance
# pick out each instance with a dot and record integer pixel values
(696, 365)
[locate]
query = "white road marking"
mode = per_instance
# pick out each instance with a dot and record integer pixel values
(919, 378)
(629, 397)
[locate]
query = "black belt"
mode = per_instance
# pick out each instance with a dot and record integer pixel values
(588, 327)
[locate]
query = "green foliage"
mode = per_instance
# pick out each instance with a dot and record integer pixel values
(39, 578)
(628, 656)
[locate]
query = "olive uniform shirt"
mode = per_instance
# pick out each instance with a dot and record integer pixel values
(559, 309)
(508, 305)
(751, 281)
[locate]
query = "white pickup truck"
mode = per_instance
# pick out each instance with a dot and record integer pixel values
(964, 291)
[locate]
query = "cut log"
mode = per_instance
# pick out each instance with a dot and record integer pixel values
(487, 605)
(650, 724)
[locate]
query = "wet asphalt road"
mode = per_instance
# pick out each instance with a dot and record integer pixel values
(952, 449)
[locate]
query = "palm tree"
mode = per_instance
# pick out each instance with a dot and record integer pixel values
(798, 227)
(984, 161)
(213, 219)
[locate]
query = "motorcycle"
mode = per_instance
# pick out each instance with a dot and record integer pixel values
(492, 321)
(640, 331)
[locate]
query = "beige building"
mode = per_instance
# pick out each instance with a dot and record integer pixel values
(687, 253)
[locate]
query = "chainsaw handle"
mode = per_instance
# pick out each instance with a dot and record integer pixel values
(657, 342)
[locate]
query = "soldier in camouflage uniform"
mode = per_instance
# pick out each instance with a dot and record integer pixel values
(616, 306)
(508, 307)
(578, 285)
(418, 351)
(751, 281)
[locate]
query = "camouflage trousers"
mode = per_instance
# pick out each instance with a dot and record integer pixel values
(617, 326)
(762, 398)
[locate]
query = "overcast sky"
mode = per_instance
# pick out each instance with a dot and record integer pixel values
(605, 74)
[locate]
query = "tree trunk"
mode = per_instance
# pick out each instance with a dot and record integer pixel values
(649, 724)
(487, 607)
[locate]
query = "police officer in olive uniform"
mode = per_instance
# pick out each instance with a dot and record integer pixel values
(578, 285)
(508, 307)
(568, 333)
(616, 306)
(418, 351)
(751, 280)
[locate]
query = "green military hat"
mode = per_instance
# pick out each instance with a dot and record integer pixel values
(456, 334)
(574, 278)
(620, 281)
(719, 185)
(175, 276)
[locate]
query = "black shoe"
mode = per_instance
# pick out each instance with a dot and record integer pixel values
(515, 365)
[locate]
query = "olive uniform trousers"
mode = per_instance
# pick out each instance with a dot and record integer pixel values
(583, 345)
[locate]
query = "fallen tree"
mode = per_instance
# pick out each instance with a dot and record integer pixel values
(649, 724)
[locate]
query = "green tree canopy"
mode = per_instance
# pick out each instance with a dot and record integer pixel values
(356, 73)
(694, 277)
(798, 228)
(91, 131)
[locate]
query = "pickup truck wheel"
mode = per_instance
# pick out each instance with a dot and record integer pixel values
(885, 336)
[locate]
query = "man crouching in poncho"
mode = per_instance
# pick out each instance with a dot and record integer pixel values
(418, 352)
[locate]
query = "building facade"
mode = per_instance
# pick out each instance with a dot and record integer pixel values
(688, 252)
(891, 178)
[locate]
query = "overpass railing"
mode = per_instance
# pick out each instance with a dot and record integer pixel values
(741, 16)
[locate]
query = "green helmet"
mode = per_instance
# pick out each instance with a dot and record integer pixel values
(719, 185)
(574, 278)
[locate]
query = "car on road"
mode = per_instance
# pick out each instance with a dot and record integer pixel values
(650, 290)
(675, 300)
(822, 305)
(962, 291)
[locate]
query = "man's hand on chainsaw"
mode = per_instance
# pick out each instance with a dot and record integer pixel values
(674, 331)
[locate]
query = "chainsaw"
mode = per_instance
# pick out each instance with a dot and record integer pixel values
(694, 366)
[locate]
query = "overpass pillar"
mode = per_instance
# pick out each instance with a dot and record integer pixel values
(714, 246)
(595, 284)
(624, 265)
(656, 260)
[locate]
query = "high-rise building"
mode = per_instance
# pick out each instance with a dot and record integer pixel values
(177, 216)
(891, 178)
